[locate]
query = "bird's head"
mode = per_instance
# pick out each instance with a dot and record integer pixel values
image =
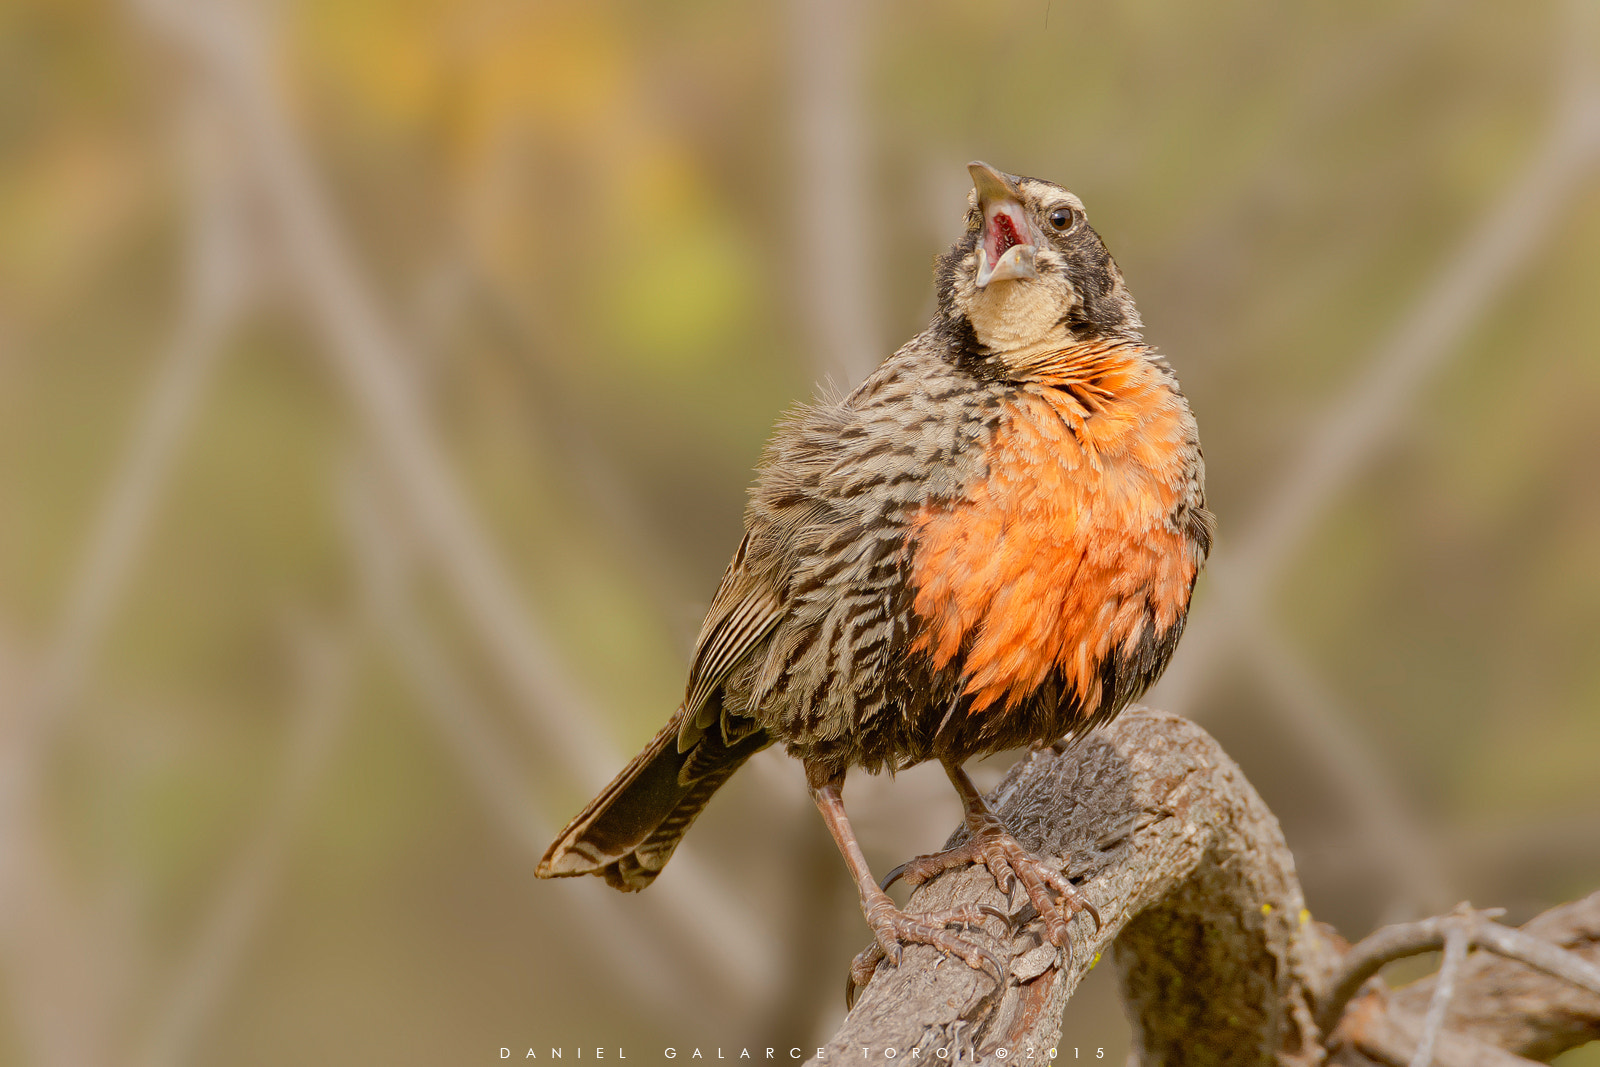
(1030, 270)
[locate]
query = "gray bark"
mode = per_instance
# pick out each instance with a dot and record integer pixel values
(1203, 917)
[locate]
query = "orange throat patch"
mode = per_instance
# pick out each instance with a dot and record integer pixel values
(1065, 553)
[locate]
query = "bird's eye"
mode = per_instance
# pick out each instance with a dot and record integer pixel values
(1062, 218)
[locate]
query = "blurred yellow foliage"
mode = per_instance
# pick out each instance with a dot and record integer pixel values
(64, 206)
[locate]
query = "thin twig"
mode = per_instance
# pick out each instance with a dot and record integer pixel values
(1370, 955)
(1381, 948)
(1455, 952)
(1503, 1002)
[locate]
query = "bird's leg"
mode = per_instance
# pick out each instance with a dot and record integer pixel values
(991, 844)
(891, 926)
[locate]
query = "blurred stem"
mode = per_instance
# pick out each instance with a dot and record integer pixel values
(322, 708)
(57, 948)
(1385, 823)
(836, 196)
(1373, 407)
(365, 351)
(213, 292)
(621, 937)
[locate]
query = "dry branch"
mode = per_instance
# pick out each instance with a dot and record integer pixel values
(1218, 957)
(1499, 1002)
(1192, 877)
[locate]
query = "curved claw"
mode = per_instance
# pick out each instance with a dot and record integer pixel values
(893, 876)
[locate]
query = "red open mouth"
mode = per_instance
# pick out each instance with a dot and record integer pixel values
(1007, 247)
(1002, 236)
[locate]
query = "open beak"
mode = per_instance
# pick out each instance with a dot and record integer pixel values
(1006, 247)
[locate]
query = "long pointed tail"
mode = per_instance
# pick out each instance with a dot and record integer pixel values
(628, 832)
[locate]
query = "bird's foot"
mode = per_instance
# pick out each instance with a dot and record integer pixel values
(893, 929)
(992, 845)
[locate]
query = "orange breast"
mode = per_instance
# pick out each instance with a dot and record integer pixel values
(1063, 553)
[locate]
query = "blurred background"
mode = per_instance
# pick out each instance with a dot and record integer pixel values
(379, 385)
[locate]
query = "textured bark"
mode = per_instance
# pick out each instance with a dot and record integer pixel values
(1193, 880)
(1219, 960)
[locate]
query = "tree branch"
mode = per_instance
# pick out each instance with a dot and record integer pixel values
(1536, 1011)
(1218, 957)
(1191, 874)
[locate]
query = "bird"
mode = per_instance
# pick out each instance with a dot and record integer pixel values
(990, 543)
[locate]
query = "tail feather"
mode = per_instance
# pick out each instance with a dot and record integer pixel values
(629, 831)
